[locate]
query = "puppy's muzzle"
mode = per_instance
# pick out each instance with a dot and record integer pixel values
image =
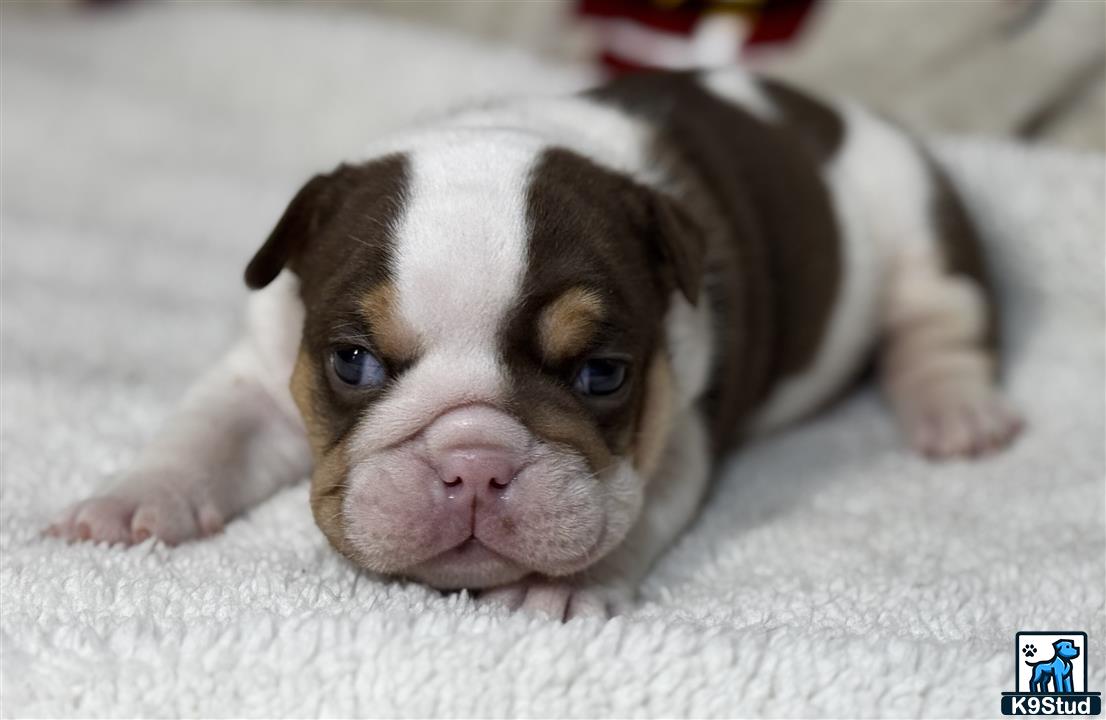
(477, 452)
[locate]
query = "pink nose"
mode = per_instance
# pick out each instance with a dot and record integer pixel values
(476, 468)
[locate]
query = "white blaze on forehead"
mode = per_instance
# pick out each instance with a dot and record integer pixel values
(460, 248)
(459, 259)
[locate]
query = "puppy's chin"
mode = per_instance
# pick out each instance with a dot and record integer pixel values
(469, 565)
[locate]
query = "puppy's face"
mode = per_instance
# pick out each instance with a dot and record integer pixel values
(483, 373)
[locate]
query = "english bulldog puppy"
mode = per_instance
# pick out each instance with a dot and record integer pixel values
(509, 347)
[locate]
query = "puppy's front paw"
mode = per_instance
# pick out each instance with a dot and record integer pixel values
(559, 599)
(131, 515)
(946, 422)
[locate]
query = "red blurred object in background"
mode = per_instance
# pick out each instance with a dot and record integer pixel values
(680, 34)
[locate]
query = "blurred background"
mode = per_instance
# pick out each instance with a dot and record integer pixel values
(1034, 69)
(1031, 69)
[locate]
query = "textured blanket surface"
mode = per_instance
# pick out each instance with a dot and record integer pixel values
(146, 153)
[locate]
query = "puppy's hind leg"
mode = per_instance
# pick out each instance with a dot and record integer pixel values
(936, 368)
(937, 351)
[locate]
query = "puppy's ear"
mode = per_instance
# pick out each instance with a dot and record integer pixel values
(307, 212)
(376, 186)
(680, 241)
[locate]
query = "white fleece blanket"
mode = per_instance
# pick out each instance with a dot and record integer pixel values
(146, 153)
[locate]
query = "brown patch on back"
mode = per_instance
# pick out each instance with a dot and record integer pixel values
(819, 125)
(655, 420)
(774, 253)
(567, 324)
(391, 335)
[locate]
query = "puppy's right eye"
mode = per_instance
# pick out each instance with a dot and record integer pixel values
(358, 367)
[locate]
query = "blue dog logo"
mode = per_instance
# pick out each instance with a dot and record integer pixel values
(1051, 683)
(1056, 670)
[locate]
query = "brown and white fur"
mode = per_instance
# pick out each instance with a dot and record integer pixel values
(740, 248)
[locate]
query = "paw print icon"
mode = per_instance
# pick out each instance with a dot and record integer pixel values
(1029, 650)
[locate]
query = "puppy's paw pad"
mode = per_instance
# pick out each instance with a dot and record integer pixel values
(948, 424)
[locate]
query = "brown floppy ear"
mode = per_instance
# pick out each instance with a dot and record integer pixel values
(376, 186)
(681, 243)
(302, 219)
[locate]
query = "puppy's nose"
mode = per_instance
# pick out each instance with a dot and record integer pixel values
(477, 468)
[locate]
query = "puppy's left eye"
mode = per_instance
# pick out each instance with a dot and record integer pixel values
(358, 367)
(600, 376)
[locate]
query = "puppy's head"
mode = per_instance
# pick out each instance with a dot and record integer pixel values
(483, 373)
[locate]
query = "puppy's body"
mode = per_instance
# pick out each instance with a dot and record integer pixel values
(557, 313)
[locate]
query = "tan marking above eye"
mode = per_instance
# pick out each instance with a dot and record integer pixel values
(568, 323)
(391, 335)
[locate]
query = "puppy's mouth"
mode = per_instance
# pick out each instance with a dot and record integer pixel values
(470, 549)
(436, 511)
(475, 563)
(470, 563)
